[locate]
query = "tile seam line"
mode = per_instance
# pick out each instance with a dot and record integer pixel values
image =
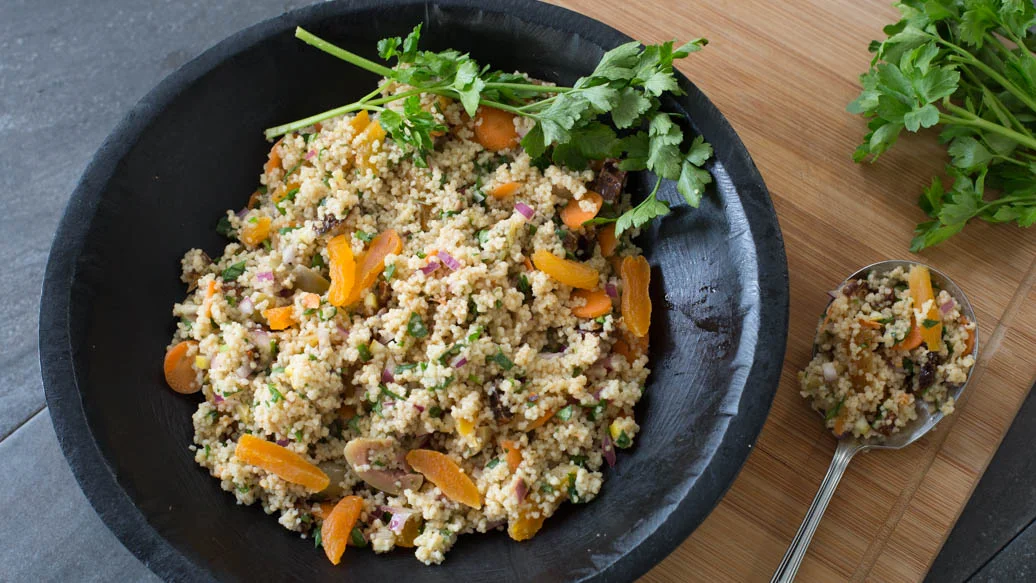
(874, 550)
(24, 422)
(1000, 549)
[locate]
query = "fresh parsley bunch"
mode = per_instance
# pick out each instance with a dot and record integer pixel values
(615, 112)
(968, 67)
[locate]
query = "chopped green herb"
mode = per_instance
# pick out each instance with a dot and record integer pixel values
(291, 195)
(501, 360)
(579, 460)
(450, 353)
(364, 236)
(324, 316)
(435, 412)
(483, 237)
(365, 353)
(309, 311)
(297, 435)
(415, 326)
(561, 234)
(291, 171)
(386, 392)
(573, 493)
(317, 261)
(833, 412)
(233, 272)
(473, 379)
(405, 367)
(443, 384)
(274, 349)
(275, 394)
(532, 229)
(908, 365)
(594, 412)
(214, 414)
(930, 323)
(498, 303)
(565, 413)
(306, 518)
(390, 270)
(576, 372)
(421, 255)
(267, 244)
(187, 324)
(286, 230)
(243, 489)
(316, 539)
(546, 488)
(357, 539)
(276, 370)
(623, 441)
(523, 285)
(493, 463)
(354, 423)
(476, 334)
(208, 450)
(886, 320)
(601, 319)
(224, 228)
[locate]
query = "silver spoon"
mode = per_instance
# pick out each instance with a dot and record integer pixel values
(849, 446)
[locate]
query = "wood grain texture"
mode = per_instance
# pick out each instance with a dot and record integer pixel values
(782, 73)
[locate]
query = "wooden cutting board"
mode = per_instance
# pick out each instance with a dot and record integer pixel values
(782, 73)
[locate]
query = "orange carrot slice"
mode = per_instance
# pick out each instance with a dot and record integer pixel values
(281, 462)
(442, 471)
(505, 190)
(873, 325)
(525, 526)
(597, 303)
(540, 422)
(564, 271)
(279, 318)
(636, 303)
(372, 262)
(179, 373)
(913, 338)
(921, 290)
(573, 214)
(273, 161)
(254, 233)
(514, 454)
(607, 240)
(338, 527)
(494, 129)
(343, 270)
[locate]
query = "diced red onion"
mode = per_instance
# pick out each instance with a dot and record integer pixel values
(609, 451)
(597, 394)
(261, 337)
(830, 374)
(449, 261)
(310, 154)
(244, 371)
(460, 362)
(549, 355)
(343, 331)
(946, 307)
(399, 517)
(833, 294)
(428, 269)
(388, 403)
(376, 513)
(611, 290)
(241, 213)
(282, 442)
(526, 210)
(264, 276)
(218, 398)
(387, 376)
(520, 490)
(419, 408)
(246, 306)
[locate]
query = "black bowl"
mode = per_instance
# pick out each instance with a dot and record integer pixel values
(193, 147)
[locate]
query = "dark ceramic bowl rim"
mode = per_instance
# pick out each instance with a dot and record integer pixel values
(90, 466)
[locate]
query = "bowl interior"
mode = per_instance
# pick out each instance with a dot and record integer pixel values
(194, 148)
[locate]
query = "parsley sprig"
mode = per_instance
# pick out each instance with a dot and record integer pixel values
(966, 66)
(615, 112)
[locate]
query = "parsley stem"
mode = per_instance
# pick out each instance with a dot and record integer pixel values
(970, 119)
(372, 105)
(965, 58)
(503, 106)
(528, 87)
(315, 41)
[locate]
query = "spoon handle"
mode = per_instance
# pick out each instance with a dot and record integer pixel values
(845, 451)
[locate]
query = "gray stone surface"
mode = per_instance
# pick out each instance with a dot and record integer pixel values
(68, 72)
(48, 530)
(999, 516)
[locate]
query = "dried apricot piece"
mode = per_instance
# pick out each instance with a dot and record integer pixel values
(636, 303)
(514, 454)
(505, 190)
(596, 303)
(920, 280)
(565, 271)
(442, 471)
(573, 215)
(372, 262)
(541, 421)
(253, 233)
(273, 161)
(367, 143)
(279, 318)
(337, 528)
(281, 462)
(465, 427)
(525, 526)
(343, 270)
(411, 528)
(179, 374)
